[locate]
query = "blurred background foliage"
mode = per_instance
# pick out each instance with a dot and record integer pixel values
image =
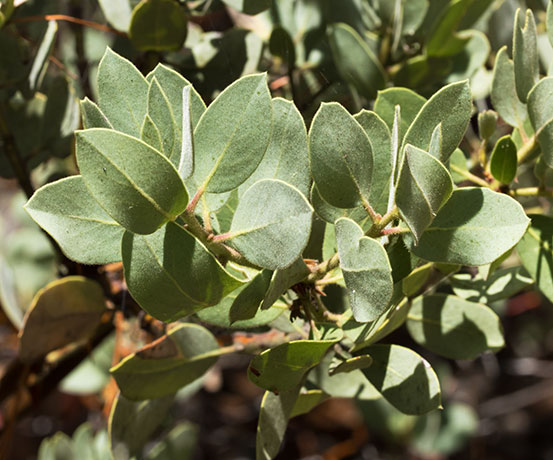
(496, 407)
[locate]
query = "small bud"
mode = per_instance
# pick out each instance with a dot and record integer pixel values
(487, 122)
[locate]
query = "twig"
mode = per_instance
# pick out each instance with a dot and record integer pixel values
(63, 17)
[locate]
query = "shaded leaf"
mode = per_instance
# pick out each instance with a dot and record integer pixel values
(171, 274)
(404, 378)
(122, 93)
(503, 161)
(424, 186)
(132, 423)
(307, 401)
(341, 157)
(355, 61)
(118, 13)
(249, 6)
(442, 40)
(284, 279)
(331, 214)
(232, 136)
(454, 327)
(84, 231)
(65, 311)
(38, 69)
(162, 367)
(474, 227)
(248, 301)
(282, 45)
(540, 113)
(412, 284)
(162, 116)
(536, 253)
(93, 116)
(117, 181)
(150, 134)
(366, 269)
(180, 441)
(158, 25)
(271, 225)
(351, 364)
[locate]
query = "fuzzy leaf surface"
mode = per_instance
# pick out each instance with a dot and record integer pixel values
(119, 172)
(341, 157)
(525, 54)
(366, 269)
(272, 224)
(475, 227)
(171, 274)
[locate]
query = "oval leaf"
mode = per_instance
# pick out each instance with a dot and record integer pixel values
(161, 114)
(158, 25)
(122, 93)
(355, 61)
(536, 253)
(171, 274)
(366, 269)
(424, 185)
(282, 368)
(504, 93)
(271, 225)
(453, 327)
(474, 227)
(162, 367)
(341, 157)
(503, 161)
(119, 172)
(452, 107)
(84, 231)
(65, 311)
(404, 378)
(233, 134)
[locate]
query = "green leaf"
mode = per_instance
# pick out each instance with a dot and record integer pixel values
(66, 310)
(117, 13)
(113, 167)
(93, 116)
(233, 134)
(181, 441)
(540, 114)
(158, 25)
(247, 303)
(171, 274)
(132, 423)
(122, 93)
(503, 161)
(249, 6)
(504, 94)
(84, 231)
(454, 327)
(173, 84)
(474, 227)
(442, 40)
(283, 367)
(452, 107)
(409, 101)
(536, 253)
(457, 165)
(366, 269)
(38, 69)
(150, 134)
(164, 366)
(287, 156)
(284, 279)
(218, 315)
(341, 157)
(404, 378)
(331, 214)
(351, 364)
(549, 22)
(272, 224)
(424, 185)
(381, 143)
(274, 413)
(501, 284)
(355, 61)
(161, 114)
(525, 54)
(307, 401)
(282, 45)
(412, 283)
(487, 124)
(185, 166)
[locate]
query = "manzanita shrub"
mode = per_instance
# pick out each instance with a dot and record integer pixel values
(212, 212)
